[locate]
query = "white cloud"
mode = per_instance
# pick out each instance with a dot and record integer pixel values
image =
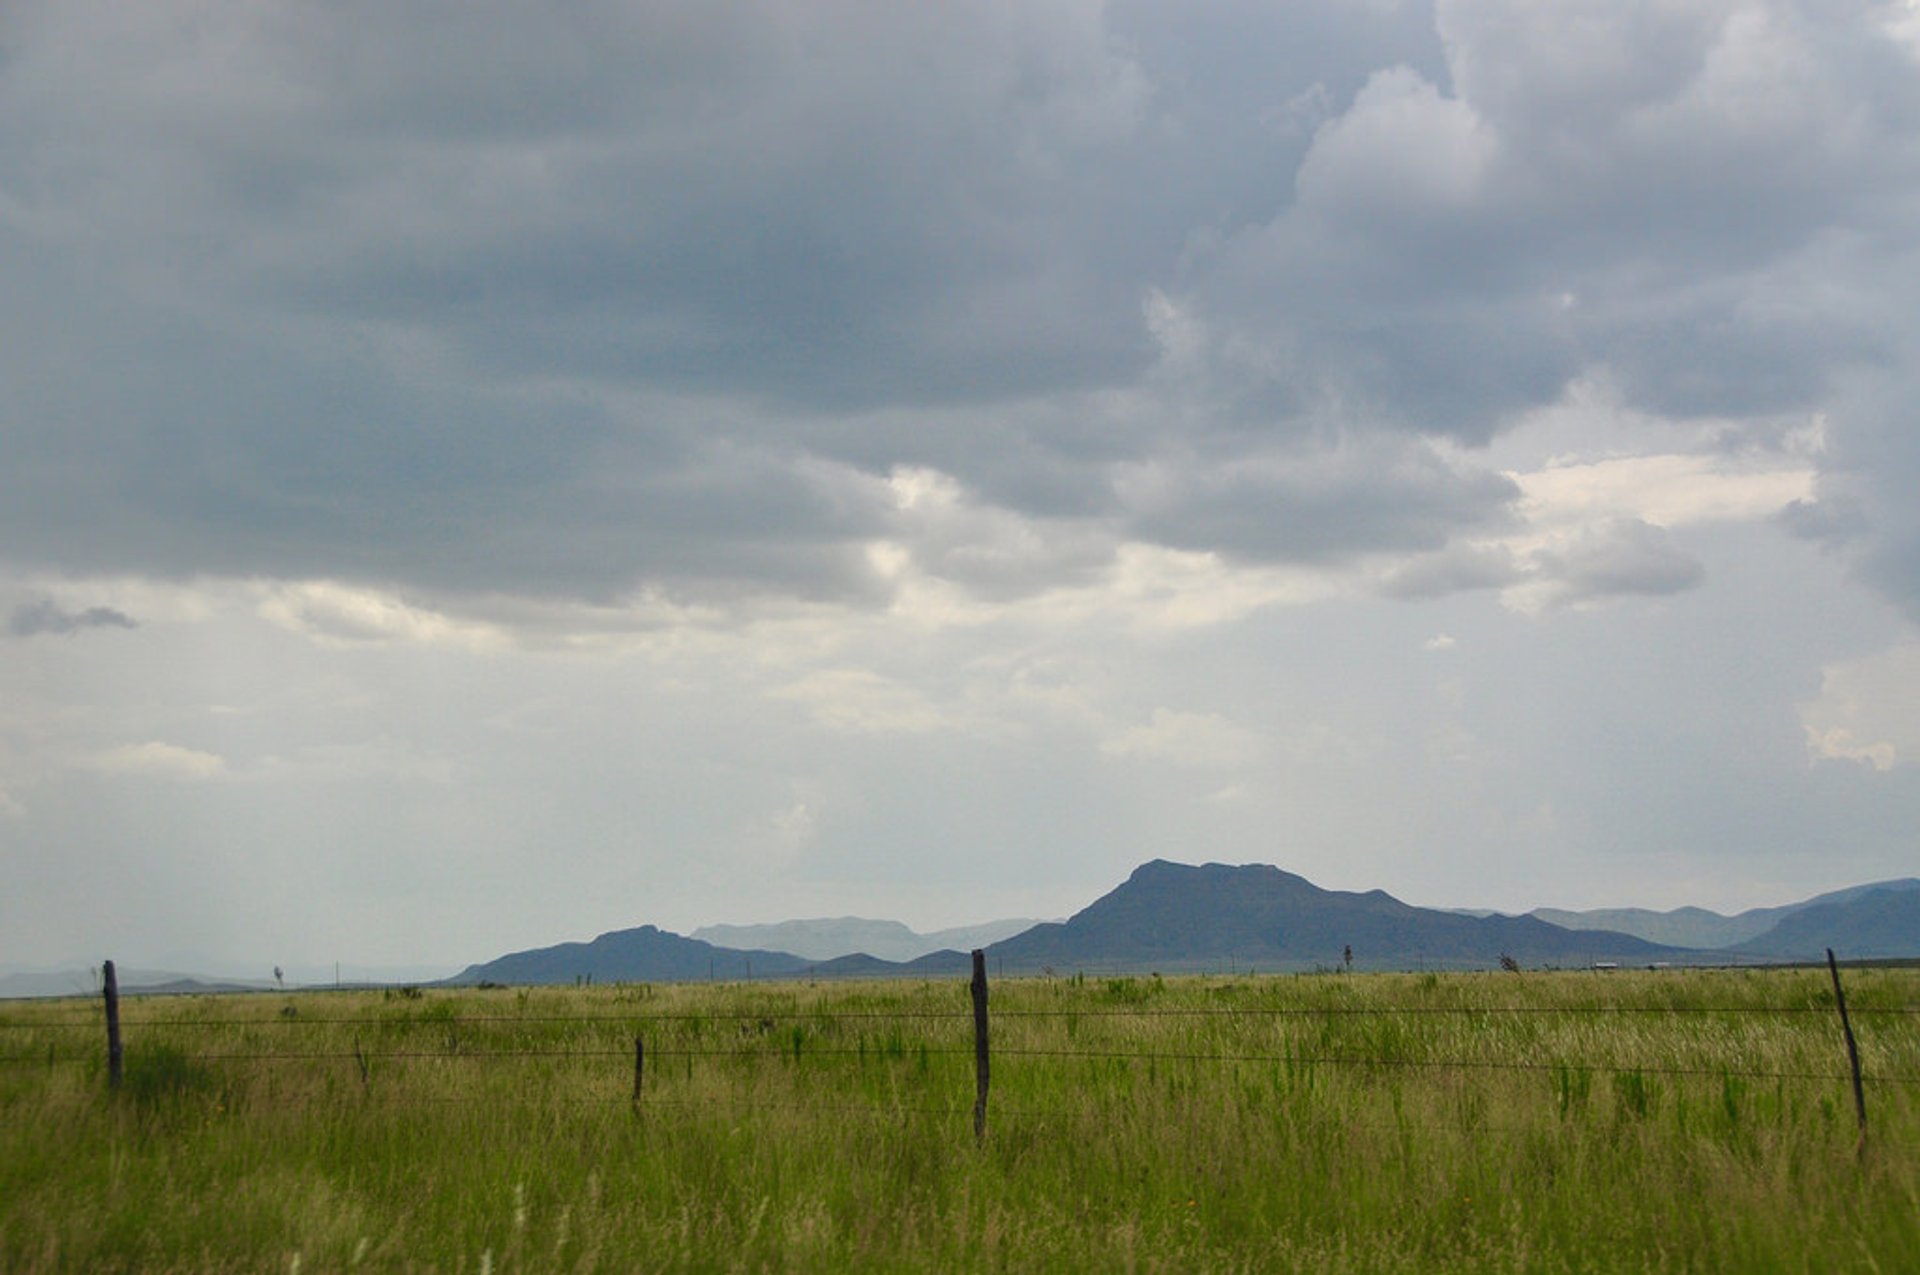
(1146, 587)
(794, 826)
(1868, 709)
(1589, 525)
(781, 835)
(1159, 588)
(1837, 743)
(339, 614)
(159, 760)
(1662, 490)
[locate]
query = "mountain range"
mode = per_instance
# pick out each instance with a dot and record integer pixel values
(1176, 917)
(1697, 927)
(1880, 924)
(179, 974)
(1171, 916)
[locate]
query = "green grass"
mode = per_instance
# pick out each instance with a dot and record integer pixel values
(1673, 1120)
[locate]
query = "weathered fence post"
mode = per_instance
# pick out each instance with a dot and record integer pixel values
(979, 1044)
(111, 984)
(1853, 1051)
(639, 1065)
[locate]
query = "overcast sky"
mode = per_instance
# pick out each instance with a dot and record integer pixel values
(474, 476)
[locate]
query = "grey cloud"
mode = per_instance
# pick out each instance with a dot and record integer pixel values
(1456, 569)
(1894, 565)
(660, 296)
(995, 553)
(1704, 139)
(837, 205)
(1320, 506)
(504, 308)
(1662, 192)
(1628, 557)
(389, 292)
(46, 616)
(1832, 520)
(1866, 496)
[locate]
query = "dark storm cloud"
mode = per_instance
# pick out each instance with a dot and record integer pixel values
(840, 204)
(45, 616)
(212, 450)
(659, 294)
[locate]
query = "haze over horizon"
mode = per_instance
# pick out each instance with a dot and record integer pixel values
(479, 479)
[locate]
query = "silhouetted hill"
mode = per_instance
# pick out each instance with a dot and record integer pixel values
(1697, 927)
(1174, 917)
(648, 954)
(645, 954)
(1170, 916)
(860, 965)
(1879, 924)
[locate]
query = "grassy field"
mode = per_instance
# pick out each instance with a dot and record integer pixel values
(1644, 1121)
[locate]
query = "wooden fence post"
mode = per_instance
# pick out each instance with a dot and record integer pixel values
(1853, 1051)
(111, 990)
(639, 1065)
(979, 1044)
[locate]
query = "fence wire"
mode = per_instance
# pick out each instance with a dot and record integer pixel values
(914, 1054)
(773, 1048)
(775, 1016)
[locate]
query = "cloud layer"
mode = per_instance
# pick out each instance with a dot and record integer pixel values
(995, 386)
(668, 297)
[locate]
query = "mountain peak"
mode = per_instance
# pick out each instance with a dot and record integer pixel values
(1157, 871)
(1174, 916)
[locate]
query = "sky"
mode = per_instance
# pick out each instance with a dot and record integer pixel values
(477, 476)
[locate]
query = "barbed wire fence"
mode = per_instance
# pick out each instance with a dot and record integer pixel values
(777, 1034)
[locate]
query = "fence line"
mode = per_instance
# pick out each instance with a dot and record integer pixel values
(776, 1046)
(776, 1015)
(960, 1114)
(877, 1056)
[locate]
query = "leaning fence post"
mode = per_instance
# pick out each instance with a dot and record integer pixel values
(111, 986)
(1853, 1051)
(639, 1065)
(979, 1044)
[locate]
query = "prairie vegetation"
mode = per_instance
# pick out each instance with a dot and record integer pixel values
(1670, 1120)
